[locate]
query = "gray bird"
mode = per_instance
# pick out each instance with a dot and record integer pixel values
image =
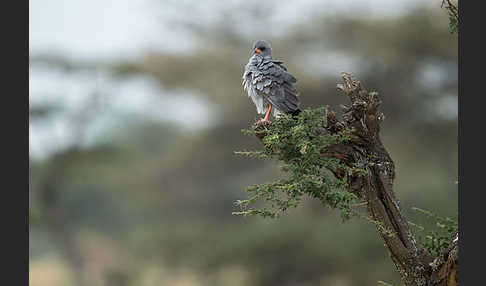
(269, 84)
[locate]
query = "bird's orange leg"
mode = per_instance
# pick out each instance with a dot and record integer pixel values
(268, 113)
(267, 116)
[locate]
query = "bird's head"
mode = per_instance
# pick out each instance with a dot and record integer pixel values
(262, 48)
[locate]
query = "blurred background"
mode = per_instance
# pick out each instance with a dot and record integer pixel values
(136, 109)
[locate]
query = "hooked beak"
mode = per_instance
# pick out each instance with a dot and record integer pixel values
(257, 50)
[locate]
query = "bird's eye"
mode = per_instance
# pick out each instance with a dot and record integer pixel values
(262, 48)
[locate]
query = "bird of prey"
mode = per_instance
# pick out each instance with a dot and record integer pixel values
(269, 85)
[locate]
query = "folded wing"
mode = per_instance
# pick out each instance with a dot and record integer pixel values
(275, 84)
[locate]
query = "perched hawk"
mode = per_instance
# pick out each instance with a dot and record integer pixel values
(269, 84)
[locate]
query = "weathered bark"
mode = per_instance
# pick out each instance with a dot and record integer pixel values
(365, 150)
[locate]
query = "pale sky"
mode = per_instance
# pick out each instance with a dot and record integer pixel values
(121, 28)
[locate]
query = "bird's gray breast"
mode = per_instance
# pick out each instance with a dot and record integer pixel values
(251, 80)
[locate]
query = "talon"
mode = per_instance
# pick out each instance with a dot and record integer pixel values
(263, 121)
(266, 119)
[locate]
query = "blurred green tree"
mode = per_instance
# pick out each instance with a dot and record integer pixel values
(147, 208)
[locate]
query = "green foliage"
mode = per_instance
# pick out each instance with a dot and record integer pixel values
(297, 142)
(435, 241)
(453, 12)
(453, 25)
